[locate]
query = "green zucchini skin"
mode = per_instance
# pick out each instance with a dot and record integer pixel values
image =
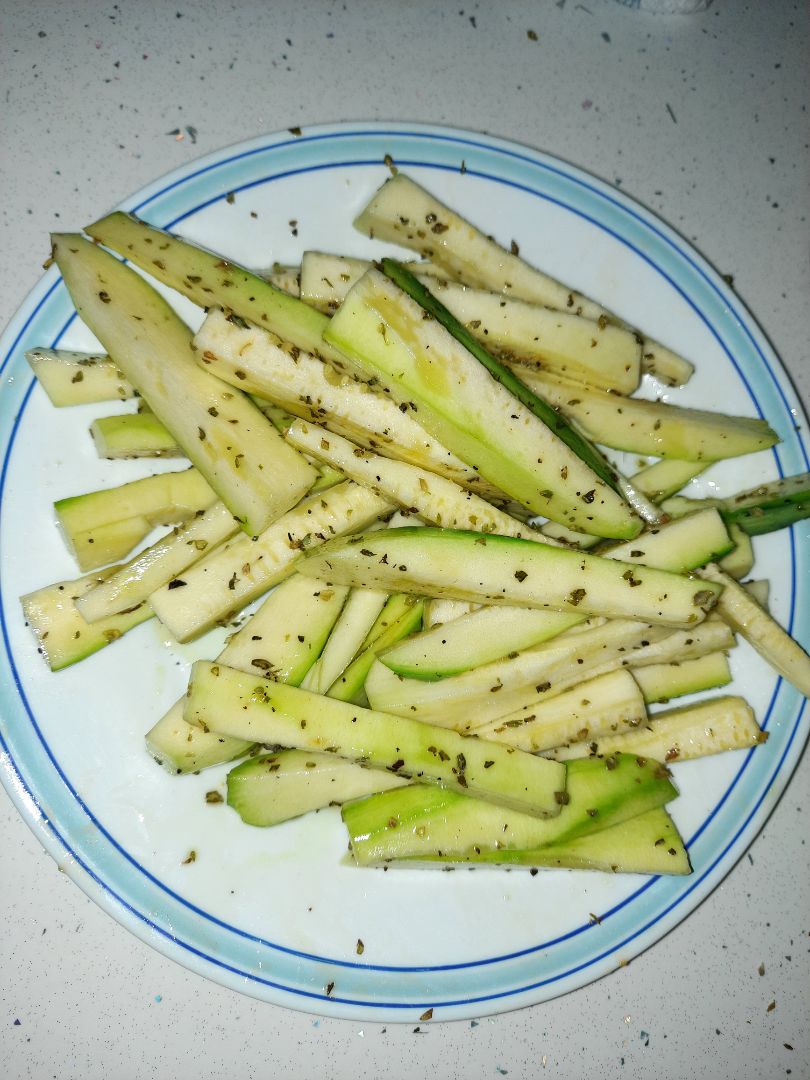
(508, 570)
(647, 844)
(234, 703)
(255, 473)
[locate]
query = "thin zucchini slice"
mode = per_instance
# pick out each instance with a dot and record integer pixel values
(653, 427)
(209, 280)
(436, 499)
(608, 703)
(401, 616)
(660, 682)
(507, 570)
(255, 473)
(743, 614)
(160, 564)
(691, 731)
(78, 378)
(133, 435)
(63, 636)
(647, 844)
(276, 787)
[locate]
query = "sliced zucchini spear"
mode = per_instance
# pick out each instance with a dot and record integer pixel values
(255, 473)
(233, 703)
(509, 570)
(210, 280)
(743, 614)
(133, 435)
(652, 427)
(690, 731)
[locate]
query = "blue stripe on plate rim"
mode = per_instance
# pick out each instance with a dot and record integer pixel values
(126, 889)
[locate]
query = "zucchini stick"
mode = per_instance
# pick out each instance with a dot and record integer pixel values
(255, 473)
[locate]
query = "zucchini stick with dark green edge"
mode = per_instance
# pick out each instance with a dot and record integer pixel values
(765, 508)
(417, 822)
(254, 472)
(552, 419)
(427, 372)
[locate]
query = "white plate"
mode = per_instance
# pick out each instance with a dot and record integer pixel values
(276, 913)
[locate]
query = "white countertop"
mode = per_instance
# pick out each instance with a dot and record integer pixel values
(703, 119)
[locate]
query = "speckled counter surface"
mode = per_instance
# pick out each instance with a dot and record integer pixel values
(703, 119)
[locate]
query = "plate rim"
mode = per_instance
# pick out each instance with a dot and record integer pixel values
(47, 831)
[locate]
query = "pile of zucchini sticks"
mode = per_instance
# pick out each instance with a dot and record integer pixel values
(472, 618)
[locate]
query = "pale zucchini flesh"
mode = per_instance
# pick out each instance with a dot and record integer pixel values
(660, 682)
(277, 787)
(159, 564)
(743, 614)
(609, 703)
(103, 544)
(185, 748)
(164, 499)
(237, 704)
(692, 731)
(437, 500)
(78, 378)
(444, 611)
(351, 631)
(255, 473)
